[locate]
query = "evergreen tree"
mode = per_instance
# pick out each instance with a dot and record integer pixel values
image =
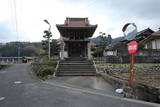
(104, 41)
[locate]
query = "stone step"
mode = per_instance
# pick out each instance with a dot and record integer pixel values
(64, 63)
(76, 63)
(75, 59)
(77, 70)
(76, 67)
(91, 71)
(76, 74)
(69, 65)
(61, 69)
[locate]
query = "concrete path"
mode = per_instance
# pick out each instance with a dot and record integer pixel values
(93, 83)
(19, 89)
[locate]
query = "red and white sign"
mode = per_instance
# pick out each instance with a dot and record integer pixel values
(132, 47)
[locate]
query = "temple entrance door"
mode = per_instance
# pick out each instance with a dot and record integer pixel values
(76, 50)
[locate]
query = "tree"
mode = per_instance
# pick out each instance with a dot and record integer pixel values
(45, 45)
(12, 49)
(109, 39)
(104, 41)
(55, 47)
(141, 46)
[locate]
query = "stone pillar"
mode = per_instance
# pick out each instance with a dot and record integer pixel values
(85, 53)
(62, 52)
(89, 50)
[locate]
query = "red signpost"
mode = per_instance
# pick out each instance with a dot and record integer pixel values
(132, 48)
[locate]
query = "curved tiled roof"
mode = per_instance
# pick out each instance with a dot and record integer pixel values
(156, 33)
(76, 22)
(76, 26)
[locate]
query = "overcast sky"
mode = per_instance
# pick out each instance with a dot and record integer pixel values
(110, 15)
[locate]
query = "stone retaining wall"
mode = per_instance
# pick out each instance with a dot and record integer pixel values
(142, 92)
(126, 67)
(115, 82)
(138, 59)
(135, 90)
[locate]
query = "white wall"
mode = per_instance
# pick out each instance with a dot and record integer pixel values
(158, 43)
(155, 44)
(109, 53)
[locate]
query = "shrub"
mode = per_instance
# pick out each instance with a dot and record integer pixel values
(51, 63)
(4, 65)
(44, 71)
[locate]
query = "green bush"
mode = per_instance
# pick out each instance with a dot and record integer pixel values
(51, 63)
(4, 65)
(44, 71)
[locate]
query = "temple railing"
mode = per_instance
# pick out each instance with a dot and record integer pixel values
(94, 65)
(54, 75)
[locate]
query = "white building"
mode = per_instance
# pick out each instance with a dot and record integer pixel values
(152, 41)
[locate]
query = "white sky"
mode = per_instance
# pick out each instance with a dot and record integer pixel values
(110, 15)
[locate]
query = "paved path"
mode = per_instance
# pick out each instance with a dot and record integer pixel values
(19, 89)
(92, 83)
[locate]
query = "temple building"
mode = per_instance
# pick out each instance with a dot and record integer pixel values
(75, 34)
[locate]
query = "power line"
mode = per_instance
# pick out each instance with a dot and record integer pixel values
(12, 16)
(16, 19)
(90, 4)
(16, 25)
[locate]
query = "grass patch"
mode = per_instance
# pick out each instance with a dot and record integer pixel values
(4, 65)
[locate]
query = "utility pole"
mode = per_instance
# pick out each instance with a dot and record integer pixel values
(18, 54)
(48, 35)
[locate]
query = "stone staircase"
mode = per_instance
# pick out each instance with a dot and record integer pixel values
(76, 67)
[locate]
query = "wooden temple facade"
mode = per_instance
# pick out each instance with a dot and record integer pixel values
(75, 34)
